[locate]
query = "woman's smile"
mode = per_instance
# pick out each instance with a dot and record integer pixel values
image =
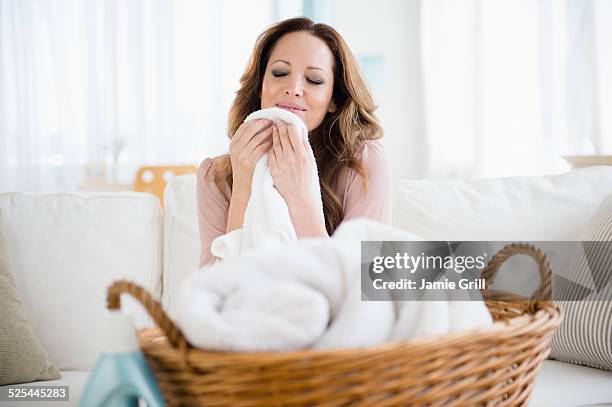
(293, 108)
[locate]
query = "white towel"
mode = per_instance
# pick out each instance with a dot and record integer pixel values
(266, 220)
(439, 313)
(307, 294)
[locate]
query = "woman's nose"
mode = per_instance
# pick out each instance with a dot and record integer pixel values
(295, 90)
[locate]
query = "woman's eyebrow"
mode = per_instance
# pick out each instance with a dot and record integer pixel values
(283, 61)
(308, 67)
(314, 67)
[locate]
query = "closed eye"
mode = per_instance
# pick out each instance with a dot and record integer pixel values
(313, 81)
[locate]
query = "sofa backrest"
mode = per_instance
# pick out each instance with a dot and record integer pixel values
(554, 207)
(541, 209)
(66, 249)
(518, 208)
(181, 237)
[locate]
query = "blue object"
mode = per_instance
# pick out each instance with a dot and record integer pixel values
(120, 379)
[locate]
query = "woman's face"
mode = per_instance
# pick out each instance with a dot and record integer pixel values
(299, 78)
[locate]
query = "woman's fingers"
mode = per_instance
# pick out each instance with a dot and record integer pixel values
(264, 136)
(250, 129)
(297, 141)
(261, 150)
(272, 158)
(283, 133)
(276, 144)
(306, 145)
(260, 126)
(280, 138)
(293, 137)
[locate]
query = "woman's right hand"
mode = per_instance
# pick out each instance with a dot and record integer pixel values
(252, 140)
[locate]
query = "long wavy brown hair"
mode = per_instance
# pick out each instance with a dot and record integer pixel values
(339, 137)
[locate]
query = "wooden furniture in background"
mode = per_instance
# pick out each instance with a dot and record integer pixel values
(580, 161)
(153, 179)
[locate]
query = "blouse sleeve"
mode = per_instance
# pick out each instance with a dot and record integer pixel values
(212, 207)
(375, 202)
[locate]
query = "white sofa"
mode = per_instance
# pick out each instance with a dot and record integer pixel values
(67, 248)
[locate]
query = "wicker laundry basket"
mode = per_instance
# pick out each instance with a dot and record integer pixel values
(492, 366)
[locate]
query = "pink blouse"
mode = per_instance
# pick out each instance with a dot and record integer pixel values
(213, 204)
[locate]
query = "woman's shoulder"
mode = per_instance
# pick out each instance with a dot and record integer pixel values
(213, 168)
(372, 153)
(372, 160)
(369, 147)
(211, 175)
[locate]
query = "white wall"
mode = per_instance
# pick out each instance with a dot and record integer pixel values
(391, 28)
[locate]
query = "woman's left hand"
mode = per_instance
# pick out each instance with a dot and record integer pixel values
(289, 163)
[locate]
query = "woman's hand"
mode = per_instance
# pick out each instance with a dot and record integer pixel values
(289, 163)
(250, 142)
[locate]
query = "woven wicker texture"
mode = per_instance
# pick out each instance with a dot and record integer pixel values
(495, 366)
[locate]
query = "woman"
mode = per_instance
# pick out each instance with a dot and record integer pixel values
(309, 70)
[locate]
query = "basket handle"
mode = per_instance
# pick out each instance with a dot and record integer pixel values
(544, 291)
(173, 333)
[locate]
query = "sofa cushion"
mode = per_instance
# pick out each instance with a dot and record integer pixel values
(22, 357)
(554, 207)
(561, 384)
(181, 237)
(66, 249)
(585, 334)
(539, 208)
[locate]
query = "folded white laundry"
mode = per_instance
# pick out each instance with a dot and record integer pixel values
(274, 300)
(355, 323)
(266, 219)
(308, 295)
(445, 315)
